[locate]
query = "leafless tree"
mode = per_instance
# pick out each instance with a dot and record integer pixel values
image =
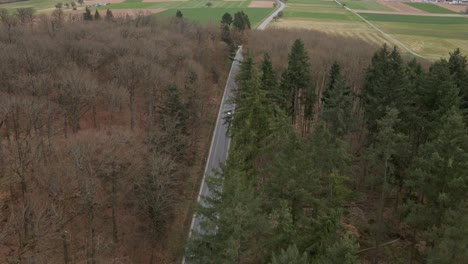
(77, 95)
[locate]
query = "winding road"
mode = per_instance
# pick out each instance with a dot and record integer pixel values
(220, 142)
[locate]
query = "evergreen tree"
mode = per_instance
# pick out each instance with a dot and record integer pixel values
(386, 86)
(296, 79)
(226, 19)
(97, 16)
(439, 182)
(451, 239)
(87, 15)
(179, 14)
(335, 71)
(290, 256)
(253, 122)
(241, 21)
(109, 15)
(173, 122)
(440, 173)
(226, 36)
(388, 143)
(439, 93)
(337, 103)
(231, 220)
(343, 250)
(457, 64)
(269, 84)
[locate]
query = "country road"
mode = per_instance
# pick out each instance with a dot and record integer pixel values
(220, 142)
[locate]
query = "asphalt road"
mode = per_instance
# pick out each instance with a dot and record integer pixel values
(220, 142)
(267, 20)
(219, 148)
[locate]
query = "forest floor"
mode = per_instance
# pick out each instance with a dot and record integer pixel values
(427, 29)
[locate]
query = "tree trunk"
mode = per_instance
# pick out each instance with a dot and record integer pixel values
(66, 257)
(378, 236)
(132, 108)
(94, 116)
(75, 122)
(50, 120)
(7, 130)
(114, 202)
(65, 124)
(92, 251)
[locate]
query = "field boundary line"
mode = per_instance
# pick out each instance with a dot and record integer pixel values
(388, 36)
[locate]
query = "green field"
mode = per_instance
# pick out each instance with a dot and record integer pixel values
(37, 4)
(207, 15)
(197, 9)
(431, 8)
(192, 9)
(365, 5)
(430, 36)
(415, 19)
(330, 16)
(139, 4)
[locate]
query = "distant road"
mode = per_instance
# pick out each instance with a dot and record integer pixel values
(267, 20)
(219, 148)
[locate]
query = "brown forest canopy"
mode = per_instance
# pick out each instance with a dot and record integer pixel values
(103, 129)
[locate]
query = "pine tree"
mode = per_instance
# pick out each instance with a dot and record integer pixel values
(173, 122)
(290, 256)
(386, 86)
(388, 143)
(439, 173)
(87, 15)
(179, 14)
(226, 36)
(457, 64)
(97, 16)
(241, 21)
(439, 93)
(337, 103)
(226, 19)
(335, 71)
(231, 220)
(109, 15)
(451, 238)
(253, 122)
(296, 79)
(269, 84)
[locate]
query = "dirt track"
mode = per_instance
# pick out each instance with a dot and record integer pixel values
(406, 13)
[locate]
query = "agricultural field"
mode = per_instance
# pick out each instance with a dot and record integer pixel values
(366, 5)
(428, 30)
(327, 16)
(192, 9)
(213, 15)
(198, 10)
(431, 8)
(40, 5)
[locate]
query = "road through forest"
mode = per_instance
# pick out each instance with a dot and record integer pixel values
(220, 141)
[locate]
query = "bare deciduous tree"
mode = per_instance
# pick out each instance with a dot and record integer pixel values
(77, 95)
